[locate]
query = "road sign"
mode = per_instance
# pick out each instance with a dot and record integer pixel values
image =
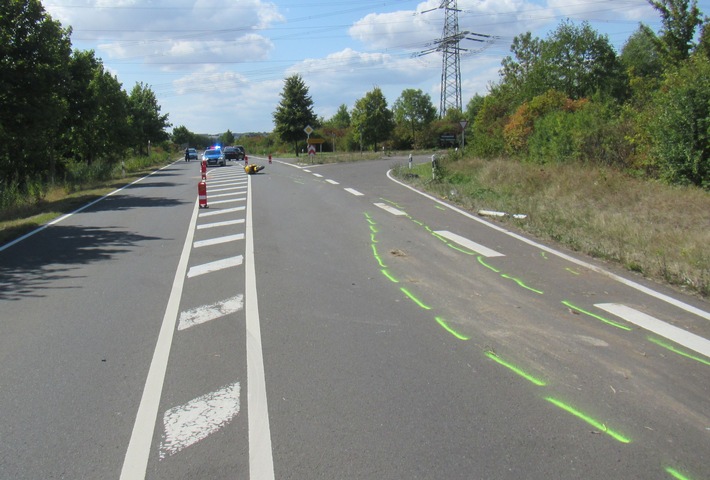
(308, 129)
(311, 149)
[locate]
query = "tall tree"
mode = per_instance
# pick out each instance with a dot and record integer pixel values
(295, 111)
(680, 18)
(34, 55)
(147, 124)
(414, 109)
(372, 119)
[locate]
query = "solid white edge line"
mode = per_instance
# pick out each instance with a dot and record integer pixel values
(135, 463)
(80, 209)
(660, 296)
(261, 462)
(659, 327)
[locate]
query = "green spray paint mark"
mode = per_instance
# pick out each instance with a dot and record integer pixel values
(415, 299)
(595, 423)
(462, 250)
(418, 222)
(572, 271)
(598, 317)
(677, 350)
(372, 237)
(480, 260)
(544, 255)
(373, 229)
(439, 207)
(513, 368)
(436, 235)
(377, 256)
(389, 275)
(676, 474)
(371, 222)
(453, 332)
(520, 282)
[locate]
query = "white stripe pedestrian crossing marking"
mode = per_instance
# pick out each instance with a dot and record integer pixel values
(219, 202)
(212, 213)
(318, 175)
(333, 182)
(207, 313)
(215, 266)
(471, 245)
(220, 224)
(671, 332)
(187, 424)
(231, 194)
(390, 209)
(354, 192)
(227, 189)
(218, 240)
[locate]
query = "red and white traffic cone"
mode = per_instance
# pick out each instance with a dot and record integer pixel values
(202, 193)
(203, 167)
(246, 159)
(269, 158)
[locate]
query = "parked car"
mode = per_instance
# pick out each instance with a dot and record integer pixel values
(230, 153)
(214, 157)
(240, 151)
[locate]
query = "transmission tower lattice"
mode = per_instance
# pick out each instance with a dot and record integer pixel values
(451, 59)
(449, 46)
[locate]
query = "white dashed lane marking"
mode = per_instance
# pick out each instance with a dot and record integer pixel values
(471, 245)
(215, 266)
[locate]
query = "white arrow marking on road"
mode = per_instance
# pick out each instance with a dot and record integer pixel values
(671, 332)
(206, 313)
(187, 424)
(214, 266)
(219, 240)
(471, 245)
(388, 208)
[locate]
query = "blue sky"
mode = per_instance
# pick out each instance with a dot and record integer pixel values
(216, 65)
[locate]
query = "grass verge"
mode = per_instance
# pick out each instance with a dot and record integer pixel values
(659, 231)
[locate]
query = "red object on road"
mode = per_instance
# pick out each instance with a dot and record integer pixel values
(269, 158)
(204, 169)
(246, 160)
(202, 193)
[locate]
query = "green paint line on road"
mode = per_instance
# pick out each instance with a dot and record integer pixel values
(674, 349)
(598, 317)
(591, 421)
(513, 368)
(480, 260)
(389, 275)
(520, 282)
(415, 299)
(453, 332)
(676, 474)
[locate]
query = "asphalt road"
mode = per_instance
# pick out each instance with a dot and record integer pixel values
(329, 322)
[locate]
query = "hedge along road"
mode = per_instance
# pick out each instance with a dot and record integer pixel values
(393, 345)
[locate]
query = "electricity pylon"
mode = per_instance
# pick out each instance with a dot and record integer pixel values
(450, 48)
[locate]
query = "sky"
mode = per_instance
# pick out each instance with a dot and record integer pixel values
(218, 65)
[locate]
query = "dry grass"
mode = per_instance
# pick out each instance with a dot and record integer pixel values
(660, 231)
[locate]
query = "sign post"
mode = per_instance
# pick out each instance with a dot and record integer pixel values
(463, 124)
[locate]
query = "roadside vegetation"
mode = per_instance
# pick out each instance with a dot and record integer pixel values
(657, 230)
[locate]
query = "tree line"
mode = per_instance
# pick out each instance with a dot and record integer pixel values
(60, 110)
(567, 97)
